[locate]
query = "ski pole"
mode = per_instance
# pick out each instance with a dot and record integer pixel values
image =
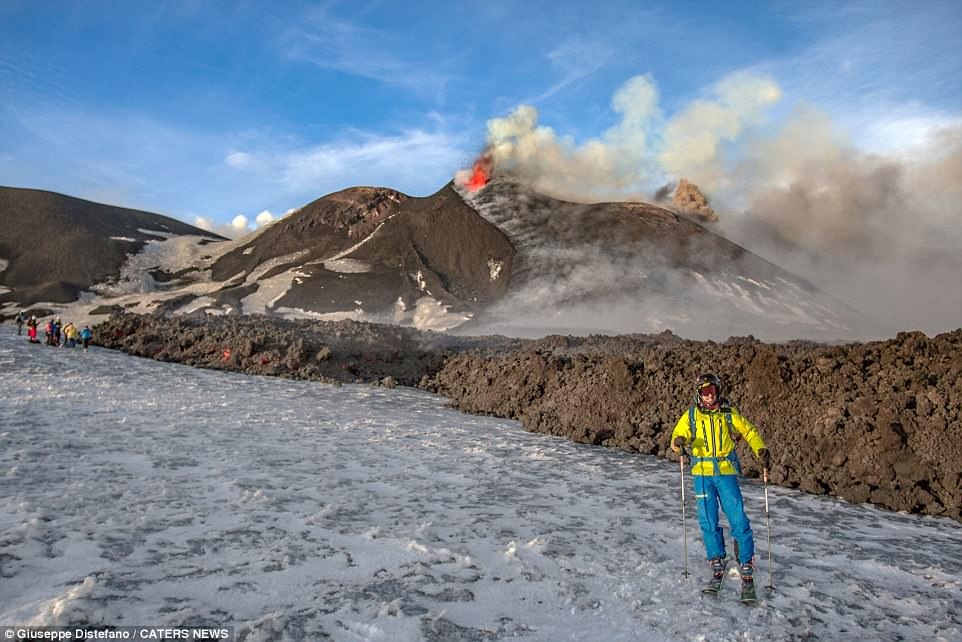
(684, 511)
(768, 522)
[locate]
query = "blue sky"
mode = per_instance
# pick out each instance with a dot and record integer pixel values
(219, 109)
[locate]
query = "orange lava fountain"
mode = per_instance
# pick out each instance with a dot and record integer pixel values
(480, 173)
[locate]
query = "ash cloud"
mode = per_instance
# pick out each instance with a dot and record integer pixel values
(880, 233)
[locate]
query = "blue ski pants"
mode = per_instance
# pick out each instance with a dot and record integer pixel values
(710, 492)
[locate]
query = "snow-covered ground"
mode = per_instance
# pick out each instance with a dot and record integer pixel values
(137, 493)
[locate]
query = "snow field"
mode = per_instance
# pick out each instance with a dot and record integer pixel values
(141, 493)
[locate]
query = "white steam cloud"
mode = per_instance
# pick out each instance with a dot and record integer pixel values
(612, 167)
(629, 159)
(694, 139)
(881, 233)
(239, 225)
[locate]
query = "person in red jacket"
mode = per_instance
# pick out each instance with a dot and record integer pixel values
(32, 330)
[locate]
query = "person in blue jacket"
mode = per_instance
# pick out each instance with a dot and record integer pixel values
(85, 336)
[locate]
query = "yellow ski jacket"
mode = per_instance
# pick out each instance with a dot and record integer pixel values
(713, 442)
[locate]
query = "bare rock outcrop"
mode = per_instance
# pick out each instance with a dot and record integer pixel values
(329, 351)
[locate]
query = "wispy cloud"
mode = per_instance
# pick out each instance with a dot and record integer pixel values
(331, 42)
(420, 160)
(105, 156)
(133, 159)
(574, 60)
(25, 78)
(871, 60)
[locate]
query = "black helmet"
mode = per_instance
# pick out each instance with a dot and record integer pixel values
(705, 380)
(708, 379)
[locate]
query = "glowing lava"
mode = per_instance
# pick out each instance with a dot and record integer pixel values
(480, 173)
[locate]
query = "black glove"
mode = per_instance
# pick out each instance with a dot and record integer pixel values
(765, 458)
(682, 445)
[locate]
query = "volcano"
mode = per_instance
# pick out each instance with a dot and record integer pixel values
(479, 256)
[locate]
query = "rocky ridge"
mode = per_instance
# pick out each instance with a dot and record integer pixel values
(868, 422)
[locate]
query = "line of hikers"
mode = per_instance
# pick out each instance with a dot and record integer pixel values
(55, 333)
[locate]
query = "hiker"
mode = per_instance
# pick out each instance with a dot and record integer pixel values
(708, 432)
(69, 335)
(85, 336)
(21, 319)
(32, 330)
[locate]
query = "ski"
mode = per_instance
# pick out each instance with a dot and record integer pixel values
(748, 591)
(748, 584)
(714, 585)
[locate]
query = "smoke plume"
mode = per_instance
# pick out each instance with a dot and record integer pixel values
(880, 233)
(612, 167)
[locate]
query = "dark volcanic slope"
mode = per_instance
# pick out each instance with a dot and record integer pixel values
(518, 262)
(542, 226)
(502, 260)
(631, 266)
(369, 247)
(320, 229)
(436, 245)
(57, 245)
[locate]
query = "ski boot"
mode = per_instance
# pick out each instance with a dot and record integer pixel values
(717, 575)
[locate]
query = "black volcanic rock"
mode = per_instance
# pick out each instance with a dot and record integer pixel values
(318, 230)
(867, 422)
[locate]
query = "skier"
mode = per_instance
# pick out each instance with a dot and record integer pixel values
(21, 319)
(707, 433)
